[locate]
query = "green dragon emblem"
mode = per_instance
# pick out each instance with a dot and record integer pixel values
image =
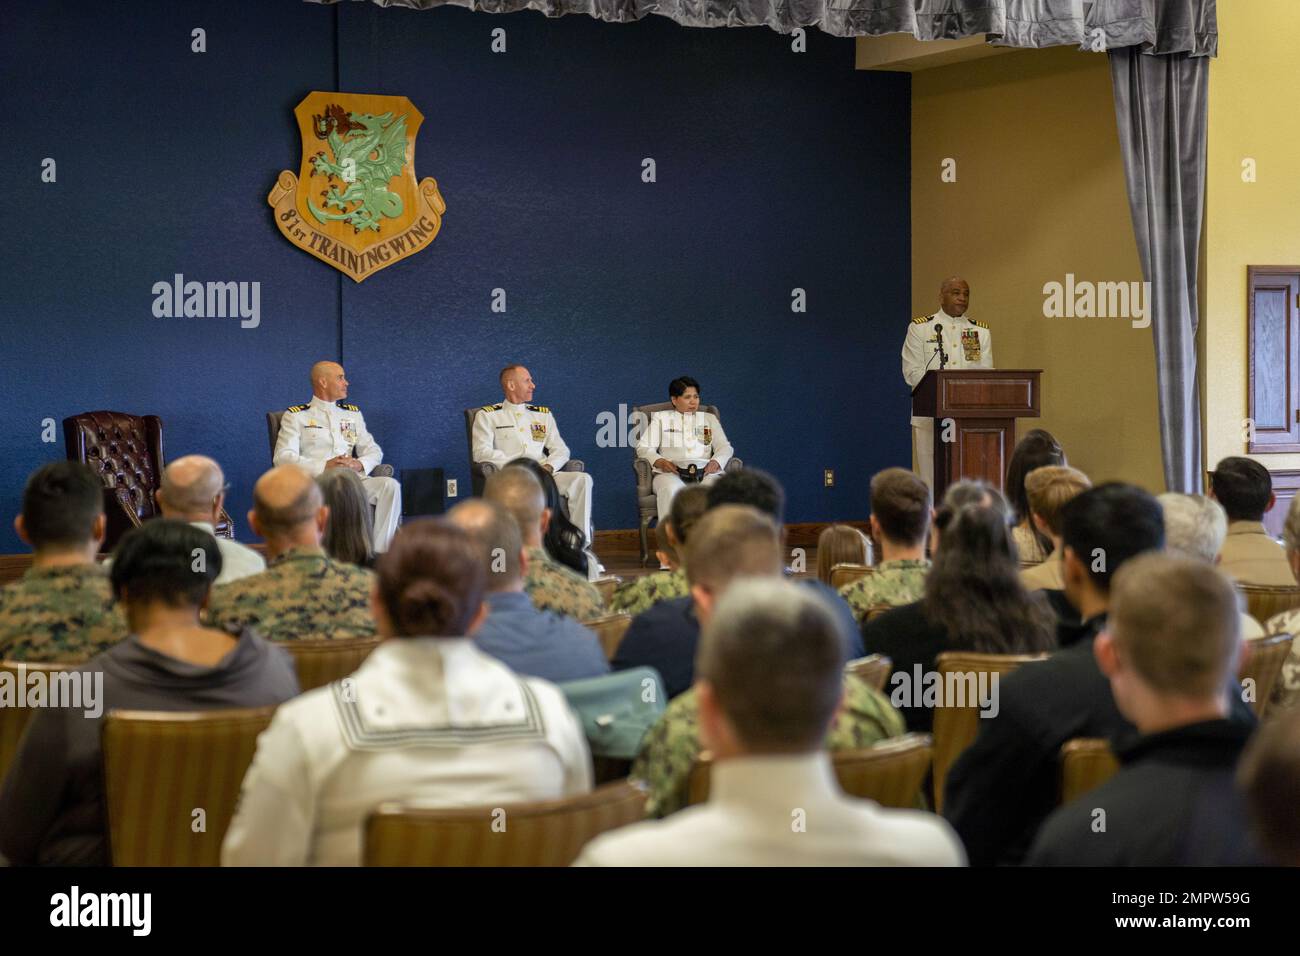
(368, 152)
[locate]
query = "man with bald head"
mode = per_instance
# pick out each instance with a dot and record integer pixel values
(964, 343)
(327, 432)
(303, 593)
(193, 489)
(528, 640)
(513, 429)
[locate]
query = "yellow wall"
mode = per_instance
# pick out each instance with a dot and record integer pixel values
(1039, 193)
(1254, 86)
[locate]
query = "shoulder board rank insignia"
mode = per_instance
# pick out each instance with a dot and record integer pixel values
(922, 318)
(538, 408)
(346, 407)
(980, 322)
(297, 408)
(492, 408)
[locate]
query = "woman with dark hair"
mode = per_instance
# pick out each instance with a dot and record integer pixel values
(349, 532)
(1037, 449)
(52, 804)
(428, 719)
(563, 540)
(974, 601)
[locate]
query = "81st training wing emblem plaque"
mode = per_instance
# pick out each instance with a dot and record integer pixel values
(355, 203)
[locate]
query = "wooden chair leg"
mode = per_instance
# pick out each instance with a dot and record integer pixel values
(645, 539)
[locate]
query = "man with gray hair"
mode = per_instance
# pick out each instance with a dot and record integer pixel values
(1195, 527)
(529, 641)
(193, 489)
(1286, 692)
(770, 681)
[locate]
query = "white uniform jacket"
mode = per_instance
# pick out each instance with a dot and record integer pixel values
(968, 344)
(312, 434)
(505, 431)
(684, 439)
(429, 721)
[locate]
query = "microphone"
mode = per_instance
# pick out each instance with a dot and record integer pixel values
(938, 338)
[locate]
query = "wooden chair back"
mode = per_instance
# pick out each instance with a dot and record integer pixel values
(14, 719)
(320, 661)
(610, 630)
(1086, 763)
(872, 670)
(843, 574)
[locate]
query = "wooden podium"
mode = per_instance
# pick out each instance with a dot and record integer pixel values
(983, 405)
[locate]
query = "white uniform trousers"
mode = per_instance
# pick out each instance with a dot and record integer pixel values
(667, 485)
(385, 496)
(576, 488)
(923, 446)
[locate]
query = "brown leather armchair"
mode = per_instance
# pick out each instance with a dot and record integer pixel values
(126, 451)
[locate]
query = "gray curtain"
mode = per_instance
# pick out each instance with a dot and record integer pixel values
(1156, 26)
(1160, 104)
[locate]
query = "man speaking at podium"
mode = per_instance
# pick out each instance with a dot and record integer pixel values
(948, 339)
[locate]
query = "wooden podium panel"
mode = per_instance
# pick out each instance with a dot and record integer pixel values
(976, 410)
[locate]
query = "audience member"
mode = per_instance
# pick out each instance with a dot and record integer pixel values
(840, 544)
(52, 801)
(1286, 692)
(1171, 644)
(303, 593)
(530, 642)
(550, 585)
(563, 540)
(193, 489)
(1270, 775)
(770, 683)
(973, 601)
(900, 518)
(642, 593)
(732, 542)
(1194, 528)
(428, 719)
(349, 531)
(1038, 449)
(62, 608)
(1049, 489)
(1249, 554)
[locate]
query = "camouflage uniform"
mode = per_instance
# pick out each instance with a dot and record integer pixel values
(893, 583)
(302, 594)
(671, 745)
(1286, 692)
(641, 594)
(63, 614)
(553, 587)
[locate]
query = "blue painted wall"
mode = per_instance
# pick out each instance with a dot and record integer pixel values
(775, 170)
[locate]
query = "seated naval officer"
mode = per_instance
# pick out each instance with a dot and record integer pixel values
(683, 444)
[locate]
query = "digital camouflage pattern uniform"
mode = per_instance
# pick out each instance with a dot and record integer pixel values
(671, 745)
(1286, 692)
(553, 587)
(64, 614)
(893, 583)
(643, 593)
(302, 594)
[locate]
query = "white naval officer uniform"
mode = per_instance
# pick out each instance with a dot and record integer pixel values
(685, 439)
(429, 721)
(968, 343)
(312, 434)
(506, 431)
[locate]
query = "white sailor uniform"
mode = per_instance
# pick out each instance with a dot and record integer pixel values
(685, 439)
(312, 434)
(506, 431)
(968, 343)
(429, 721)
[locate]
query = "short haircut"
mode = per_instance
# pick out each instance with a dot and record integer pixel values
(432, 579)
(505, 374)
(678, 386)
(61, 501)
(283, 518)
(1242, 486)
(774, 657)
(165, 561)
(349, 532)
(496, 534)
(1037, 449)
(840, 544)
(520, 493)
(1291, 527)
(1195, 525)
(1269, 773)
(1109, 524)
(900, 502)
(749, 486)
(200, 492)
(732, 541)
(1176, 622)
(1049, 489)
(689, 506)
